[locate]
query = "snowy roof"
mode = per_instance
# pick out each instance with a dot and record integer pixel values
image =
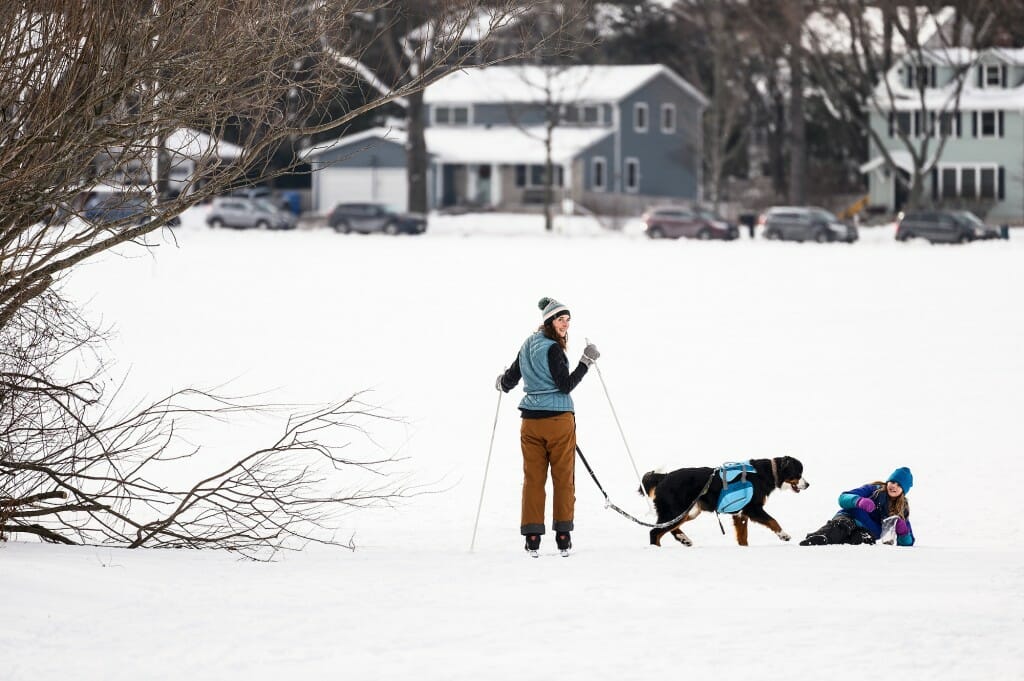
(509, 144)
(370, 137)
(480, 144)
(530, 83)
(831, 33)
(971, 97)
(195, 144)
(472, 28)
(900, 157)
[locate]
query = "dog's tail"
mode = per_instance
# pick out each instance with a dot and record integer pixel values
(649, 481)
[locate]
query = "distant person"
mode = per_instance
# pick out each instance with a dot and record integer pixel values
(548, 431)
(863, 513)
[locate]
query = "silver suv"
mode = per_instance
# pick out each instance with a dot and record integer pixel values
(243, 213)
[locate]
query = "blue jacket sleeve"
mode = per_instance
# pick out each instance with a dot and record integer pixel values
(872, 522)
(849, 498)
(907, 539)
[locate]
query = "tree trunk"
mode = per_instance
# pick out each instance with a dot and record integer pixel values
(797, 128)
(549, 172)
(416, 154)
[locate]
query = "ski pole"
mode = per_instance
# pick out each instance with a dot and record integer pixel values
(487, 466)
(621, 432)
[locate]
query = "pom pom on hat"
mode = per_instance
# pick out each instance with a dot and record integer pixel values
(551, 308)
(903, 477)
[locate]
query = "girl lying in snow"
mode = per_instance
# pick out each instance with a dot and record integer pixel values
(878, 510)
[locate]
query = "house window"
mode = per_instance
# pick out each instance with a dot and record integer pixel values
(903, 123)
(632, 174)
(640, 117)
(988, 124)
(537, 176)
(531, 176)
(971, 182)
(585, 114)
(598, 177)
(993, 75)
(949, 124)
(988, 183)
(968, 184)
(924, 77)
(668, 118)
(949, 184)
(451, 115)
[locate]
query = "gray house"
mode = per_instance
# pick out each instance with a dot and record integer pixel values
(981, 164)
(618, 136)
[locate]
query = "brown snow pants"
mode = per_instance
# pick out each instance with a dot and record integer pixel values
(548, 442)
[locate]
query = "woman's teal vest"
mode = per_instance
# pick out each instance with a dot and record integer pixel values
(541, 392)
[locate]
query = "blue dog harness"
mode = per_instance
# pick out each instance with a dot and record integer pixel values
(737, 491)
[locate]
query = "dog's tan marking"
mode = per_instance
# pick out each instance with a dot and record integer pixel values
(739, 522)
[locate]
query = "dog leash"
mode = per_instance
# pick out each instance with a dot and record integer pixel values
(608, 502)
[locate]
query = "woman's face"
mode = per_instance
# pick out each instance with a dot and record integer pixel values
(893, 489)
(561, 325)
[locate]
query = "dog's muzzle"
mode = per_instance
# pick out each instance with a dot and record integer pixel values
(798, 485)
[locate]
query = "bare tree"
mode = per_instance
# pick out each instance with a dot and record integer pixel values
(71, 471)
(551, 91)
(850, 51)
(725, 32)
(89, 92)
(420, 41)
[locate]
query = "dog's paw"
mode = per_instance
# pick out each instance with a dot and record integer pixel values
(783, 536)
(682, 539)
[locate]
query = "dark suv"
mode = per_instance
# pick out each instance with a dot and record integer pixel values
(805, 223)
(374, 217)
(943, 226)
(693, 223)
(109, 207)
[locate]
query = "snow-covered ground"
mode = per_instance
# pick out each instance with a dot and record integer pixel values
(855, 359)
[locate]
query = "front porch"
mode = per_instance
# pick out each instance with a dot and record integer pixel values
(497, 186)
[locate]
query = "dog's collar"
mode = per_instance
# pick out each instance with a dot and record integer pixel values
(775, 473)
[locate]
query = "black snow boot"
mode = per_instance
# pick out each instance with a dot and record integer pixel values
(564, 542)
(861, 536)
(533, 543)
(814, 540)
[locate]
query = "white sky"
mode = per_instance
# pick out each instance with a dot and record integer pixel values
(855, 359)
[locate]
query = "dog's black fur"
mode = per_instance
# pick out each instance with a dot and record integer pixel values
(673, 493)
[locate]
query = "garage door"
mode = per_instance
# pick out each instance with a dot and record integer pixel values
(384, 185)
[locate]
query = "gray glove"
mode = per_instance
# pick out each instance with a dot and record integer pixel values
(590, 354)
(498, 385)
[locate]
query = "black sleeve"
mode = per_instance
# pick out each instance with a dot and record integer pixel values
(558, 364)
(510, 378)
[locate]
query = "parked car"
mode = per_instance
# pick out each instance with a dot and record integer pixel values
(243, 213)
(374, 217)
(805, 223)
(254, 192)
(108, 207)
(685, 221)
(944, 226)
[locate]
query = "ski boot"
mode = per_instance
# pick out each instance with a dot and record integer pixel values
(564, 543)
(533, 544)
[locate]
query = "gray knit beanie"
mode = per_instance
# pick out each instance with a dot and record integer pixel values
(551, 308)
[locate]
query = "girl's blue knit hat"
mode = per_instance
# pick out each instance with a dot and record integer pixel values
(903, 477)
